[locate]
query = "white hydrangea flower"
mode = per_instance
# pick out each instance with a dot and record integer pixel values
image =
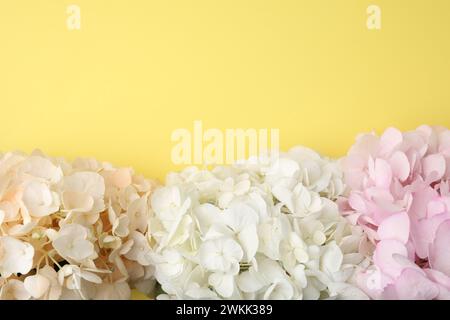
(220, 255)
(255, 230)
(72, 230)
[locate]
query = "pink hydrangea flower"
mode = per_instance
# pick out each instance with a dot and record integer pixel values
(399, 194)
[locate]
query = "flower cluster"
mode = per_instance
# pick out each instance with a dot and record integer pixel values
(71, 230)
(294, 225)
(266, 228)
(399, 194)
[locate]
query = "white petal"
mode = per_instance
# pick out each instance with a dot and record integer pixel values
(36, 285)
(222, 283)
(248, 238)
(250, 281)
(331, 259)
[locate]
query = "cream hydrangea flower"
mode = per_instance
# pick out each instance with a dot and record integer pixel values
(72, 243)
(16, 256)
(255, 230)
(72, 230)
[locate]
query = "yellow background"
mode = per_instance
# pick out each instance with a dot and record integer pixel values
(138, 69)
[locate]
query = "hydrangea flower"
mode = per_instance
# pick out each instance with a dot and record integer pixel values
(255, 230)
(399, 194)
(72, 230)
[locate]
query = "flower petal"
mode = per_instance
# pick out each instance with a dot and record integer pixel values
(400, 165)
(395, 227)
(383, 256)
(36, 285)
(434, 167)
(439, 250)
(223, 283)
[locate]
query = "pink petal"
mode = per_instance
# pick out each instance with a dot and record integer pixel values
(436, 207)
(425, 129)
(400, 165)
(379, 194)
(433, 167)
(366, 145)
(383, 257)
(383, 206)
(366, 219)
(343, 204)
(416, 142)
(396, 227)
(444, 142)
(372, 282)
(444, 293)
(390, 293)
(382, 173)
(357, 202)
(354, 166)
(444, 188)
(354, 162)
(438, 277)
(407, 262)
(390, 139)
(413, 285)
(423, 233)
(442, 281)
(354, 179)
(421, 198)
(440, 250)
(447, 173)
